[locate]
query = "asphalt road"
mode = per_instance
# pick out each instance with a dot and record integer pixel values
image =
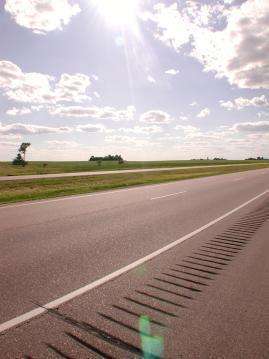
(94, 173)
(51, 248)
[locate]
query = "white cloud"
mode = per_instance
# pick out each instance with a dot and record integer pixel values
(18, 111)
(126, 140)
(215, 143)
(72, 88)
(142, 129)
(29, 129)
(229, 105)
(194, 103)
(230, 41)
(58, 144)
(24, 87)
(188, 130)
(183, 118)
(263, 115)
(8, 144)
(41, 16)
(119, 138)
(172, 28)
(10, 74)
(204, 113)
(172, 72)
(96, 94)
(37, 88)
(156, 117)
(95, 77)
(241, 102)
(151, 79)
(226, 142)
(91, 128)
(33, 88)
(37, 107)
(252, 127)
(9, 136)
(105, 113)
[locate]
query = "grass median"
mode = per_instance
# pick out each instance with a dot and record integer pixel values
(25, 190)
(35, 167)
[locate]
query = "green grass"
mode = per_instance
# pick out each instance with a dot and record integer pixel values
(7, 169)
(24, 190)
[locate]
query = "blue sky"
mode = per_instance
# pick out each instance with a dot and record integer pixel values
(147, 79)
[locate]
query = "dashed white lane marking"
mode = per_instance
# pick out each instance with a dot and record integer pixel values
(70, 198)
(168, 195)
(55, 303)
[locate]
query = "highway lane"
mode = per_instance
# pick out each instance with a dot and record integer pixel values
(50, 248)
(226, 318)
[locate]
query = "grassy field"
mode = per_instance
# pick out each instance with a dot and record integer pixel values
(7, 169)
(23, 190)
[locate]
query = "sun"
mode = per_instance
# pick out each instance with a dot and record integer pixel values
(120, 13)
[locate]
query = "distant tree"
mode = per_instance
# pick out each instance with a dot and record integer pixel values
(107, 158)
(121, 161)
(19, 160)
(259, 158)
(23, 148)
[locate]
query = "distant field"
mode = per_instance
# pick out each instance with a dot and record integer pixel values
(7, 169)
(24, 190)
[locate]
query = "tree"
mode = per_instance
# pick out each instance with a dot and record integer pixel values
(23, 148)
(107, 158)
(19, 160)
(121, 161)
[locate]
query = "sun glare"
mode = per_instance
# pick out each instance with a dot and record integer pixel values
(121, 13)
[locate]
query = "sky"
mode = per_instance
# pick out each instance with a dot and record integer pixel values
(150, 80)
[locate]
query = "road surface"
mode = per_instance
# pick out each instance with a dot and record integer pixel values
(53, 248)
(94, 173)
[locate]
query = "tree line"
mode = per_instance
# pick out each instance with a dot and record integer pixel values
(259, 158)
(107, 158)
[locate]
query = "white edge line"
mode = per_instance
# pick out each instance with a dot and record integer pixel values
(55, 303)
(168, 195)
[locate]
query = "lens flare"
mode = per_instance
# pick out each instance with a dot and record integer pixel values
(120, 13)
